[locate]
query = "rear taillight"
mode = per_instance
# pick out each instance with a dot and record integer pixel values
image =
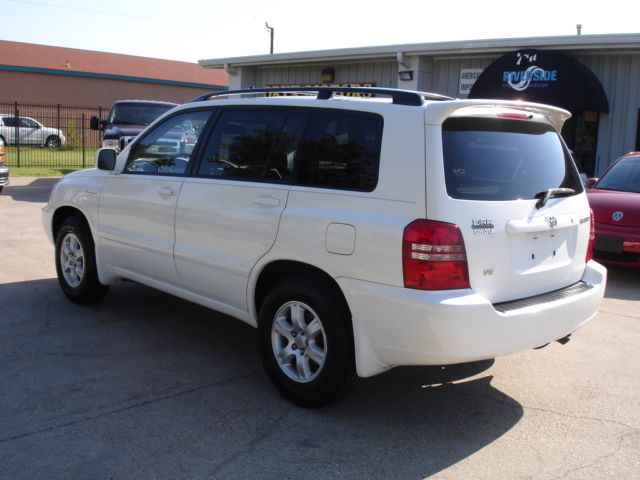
(434, 256)
(1, 152)
(592, 237)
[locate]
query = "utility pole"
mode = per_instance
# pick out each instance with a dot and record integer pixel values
(271, 29)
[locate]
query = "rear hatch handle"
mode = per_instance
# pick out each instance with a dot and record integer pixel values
(543, 197)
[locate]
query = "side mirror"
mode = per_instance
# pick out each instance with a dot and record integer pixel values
(106, 159)
(590, 182)
(94, 123)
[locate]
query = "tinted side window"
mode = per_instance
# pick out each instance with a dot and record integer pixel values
(341, 150)
(286, 151)
(9, 121)
(241, 143)
(167, 148)
(503, 159)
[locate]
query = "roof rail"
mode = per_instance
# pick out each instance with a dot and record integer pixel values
(399, 97)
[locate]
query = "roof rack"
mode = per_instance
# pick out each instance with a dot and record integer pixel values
(399, 97)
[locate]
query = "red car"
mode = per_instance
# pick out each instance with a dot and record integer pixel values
(615, 201)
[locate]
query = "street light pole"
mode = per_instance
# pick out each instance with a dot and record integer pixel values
(271, 29)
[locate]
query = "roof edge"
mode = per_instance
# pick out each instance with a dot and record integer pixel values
(109, 76)
(567, 42)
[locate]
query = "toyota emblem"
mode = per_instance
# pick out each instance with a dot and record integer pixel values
(617, 216)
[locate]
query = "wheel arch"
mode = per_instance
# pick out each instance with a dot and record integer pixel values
(62, 213)
(55, 137)
(105, 274)
(278, 270)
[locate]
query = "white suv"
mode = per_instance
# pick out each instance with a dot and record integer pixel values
(27, 131)
(357, 229)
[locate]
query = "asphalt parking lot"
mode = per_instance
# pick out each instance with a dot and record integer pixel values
(147, 386)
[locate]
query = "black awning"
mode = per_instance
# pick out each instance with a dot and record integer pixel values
(543, 77)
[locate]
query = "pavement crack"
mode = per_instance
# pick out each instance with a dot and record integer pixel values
(610, 312)
(269, 430)
(599, 459)
(129, 407)
(514, 404)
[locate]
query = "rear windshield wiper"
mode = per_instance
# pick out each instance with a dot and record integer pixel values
(543, 197)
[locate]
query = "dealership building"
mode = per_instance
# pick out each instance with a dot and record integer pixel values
(595, 77)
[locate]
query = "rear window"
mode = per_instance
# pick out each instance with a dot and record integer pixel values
(504, 159)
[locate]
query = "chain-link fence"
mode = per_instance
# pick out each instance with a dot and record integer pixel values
(50, 136)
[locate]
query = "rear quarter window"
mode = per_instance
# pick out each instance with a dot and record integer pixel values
(341, 150)
(504, 159)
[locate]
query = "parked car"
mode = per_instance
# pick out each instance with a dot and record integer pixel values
(4, 169)
(357, 234)
(615, 200)
(29, 132)
(127, 118)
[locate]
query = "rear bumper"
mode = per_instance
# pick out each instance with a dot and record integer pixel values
(397, 326)
(609, 245)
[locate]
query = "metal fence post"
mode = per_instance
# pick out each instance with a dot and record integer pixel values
(58, 116)
(83, 142)
(16, 130)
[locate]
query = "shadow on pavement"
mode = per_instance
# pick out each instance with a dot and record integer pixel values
(35, 191)
(145, 385)
(623, 283)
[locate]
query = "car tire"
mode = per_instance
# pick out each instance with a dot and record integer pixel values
(52, 142)
(76, 262)
(306, 342)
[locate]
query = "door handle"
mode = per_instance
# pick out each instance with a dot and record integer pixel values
(266, 201)
(167, 191)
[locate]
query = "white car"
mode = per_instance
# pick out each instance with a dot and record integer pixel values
(27, 131)
(357, 234)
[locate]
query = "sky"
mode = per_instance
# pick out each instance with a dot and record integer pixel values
(191, 30)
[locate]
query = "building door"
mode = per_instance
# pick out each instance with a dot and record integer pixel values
(581, 135)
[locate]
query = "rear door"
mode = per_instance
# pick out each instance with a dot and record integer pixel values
(490, 177)
(228, 213)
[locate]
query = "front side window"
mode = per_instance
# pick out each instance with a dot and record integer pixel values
(241, 144)
(504, 159)
(341, 150)
(167, 149)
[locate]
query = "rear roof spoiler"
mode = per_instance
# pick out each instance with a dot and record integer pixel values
(438, 112)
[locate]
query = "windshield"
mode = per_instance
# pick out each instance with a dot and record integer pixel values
(504, 159)
(623, 176)
(136, 113)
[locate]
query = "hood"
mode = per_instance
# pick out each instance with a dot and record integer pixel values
(607, 202)
(117, 131)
